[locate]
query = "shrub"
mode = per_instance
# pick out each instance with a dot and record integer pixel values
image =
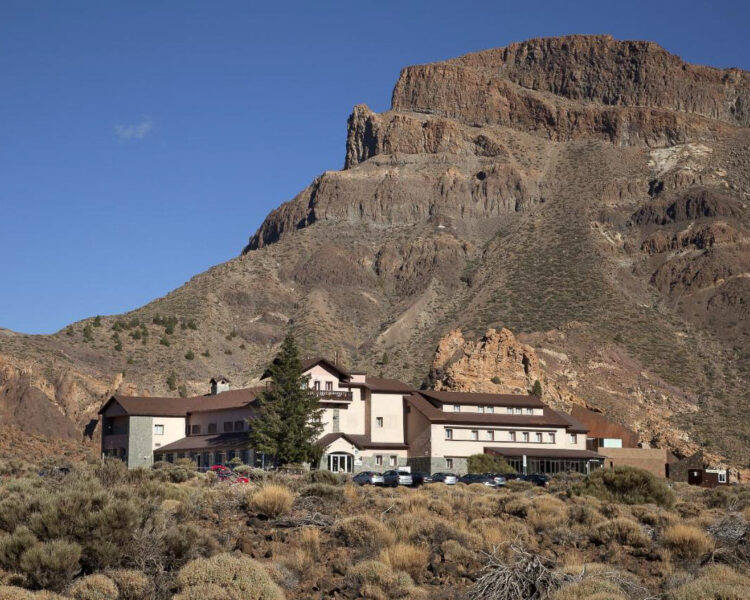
(132, 585)
(621, 530)
(164, 341)
(13, 546)
(406, 557)
(93, 587)
(226, 576)
(714, 582)
(321, 476)
(628, 485)
(323, 490)
(590, 589)
(547, 512)
(10, 592)
(373, 579)
(362, 530)
(111, 471)
(189, 355)
(686, 541)
(272, 500)
(51, 565)
(486, 463)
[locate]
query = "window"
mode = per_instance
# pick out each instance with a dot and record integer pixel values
(456, 408)
(227, 426)
(480, 409)
(512, 436)
(329, 386)
(525, 436)
(378, 421)
(573, 438)
(490, 434)
(212, 428)
(490, 409)
(529, 411)
(239, 425)
(393, 461)
(551, 438)
(722, 477)
(316, 385)
(474, 434)
(158, 429)
(510, 410)
(538, 438)
(519, 411)
(448, 463)
(196, 429)
(448, 434)
(379, 460)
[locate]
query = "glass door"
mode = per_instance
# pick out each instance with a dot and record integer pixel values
(340, 463)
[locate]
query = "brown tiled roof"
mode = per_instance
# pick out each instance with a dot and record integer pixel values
(219, 378)
(543, 452)
(575, 425)
(549, 418)
(359, 441)
(309, 363)
(180, 407)
(378, 384)
(483, 399)
(239, 439)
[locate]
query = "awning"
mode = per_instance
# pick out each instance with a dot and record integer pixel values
(545, 453)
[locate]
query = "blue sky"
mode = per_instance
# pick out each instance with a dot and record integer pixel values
(143, 142)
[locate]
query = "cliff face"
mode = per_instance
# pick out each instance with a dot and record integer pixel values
(587, 194)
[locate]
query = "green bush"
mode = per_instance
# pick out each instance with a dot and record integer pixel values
(627, 485)
(486, 463)
(51, 565)
(189, 355)
(13, 546)
(226, 576)
(323, 490)
(131, 585)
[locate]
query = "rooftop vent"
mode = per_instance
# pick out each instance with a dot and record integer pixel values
(219, 384)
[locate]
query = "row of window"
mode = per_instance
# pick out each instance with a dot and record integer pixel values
(392, 460)
(491, 409)
(537, 437)
(229, 426)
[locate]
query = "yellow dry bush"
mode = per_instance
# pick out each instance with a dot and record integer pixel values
(406, 557)
(517, 506)
(483, 505)
(351, 493)
(686, 542)
(493, 531)
(439, 507)
(714, 582)
(10, 592)
(272, 500)
(93, 587)
(620, 530)
(590, 589)
(376, 581)
(546, 513)
(458, 554)
(363, 530)
(226, 576)
(132, 585)
(413, 503)
(309, 539)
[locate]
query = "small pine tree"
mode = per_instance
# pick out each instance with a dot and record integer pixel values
(206, 353)
(172, 381)
(384, 359)
(97, 321)
(288, 421)
(164, 341)
(537, 389)
(189, 355)
(88, 333)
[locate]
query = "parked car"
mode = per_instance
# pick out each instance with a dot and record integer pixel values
(445, 477)
(368, 478)
(420, 478)
(395, 478)
(226, 474)
(538, 479)
(497, 477)
(478, 478)
(515, 476)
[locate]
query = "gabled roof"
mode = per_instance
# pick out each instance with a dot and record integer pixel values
(379, 384)
(548, 418)
(362, 442)
(219, 378)
(309, 363)
(181, 407)
(483, 399)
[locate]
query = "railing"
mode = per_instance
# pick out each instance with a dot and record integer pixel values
(333, 395)
(113, 441)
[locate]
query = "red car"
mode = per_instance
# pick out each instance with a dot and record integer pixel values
(226, 474)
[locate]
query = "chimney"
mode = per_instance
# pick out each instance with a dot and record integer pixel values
(219, 384)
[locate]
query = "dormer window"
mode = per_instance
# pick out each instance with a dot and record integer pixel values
(456, 408)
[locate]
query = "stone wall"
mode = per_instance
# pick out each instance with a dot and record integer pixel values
(140, 442)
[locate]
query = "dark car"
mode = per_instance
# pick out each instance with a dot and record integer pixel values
(478, 478)
(368, 478)
(497, 477)
(445, 477)
(515, 476)
(420, 478)
(538, 479)
(395, 478)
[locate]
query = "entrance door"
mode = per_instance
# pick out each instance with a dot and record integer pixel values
(695, 477)
(340, 463)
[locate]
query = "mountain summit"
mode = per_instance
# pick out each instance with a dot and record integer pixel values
(586, 194)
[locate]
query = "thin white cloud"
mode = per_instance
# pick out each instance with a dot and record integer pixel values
(137, 131)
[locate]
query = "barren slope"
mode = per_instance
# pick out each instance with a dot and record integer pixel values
(588, 194)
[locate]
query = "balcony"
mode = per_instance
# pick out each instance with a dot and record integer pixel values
(333, 395)
(114, 441)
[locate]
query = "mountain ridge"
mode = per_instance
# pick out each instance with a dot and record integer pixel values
(588, 194)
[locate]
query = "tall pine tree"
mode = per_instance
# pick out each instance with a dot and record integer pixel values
(288, 420)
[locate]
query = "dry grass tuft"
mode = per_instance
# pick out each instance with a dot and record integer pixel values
(363, 531)
(376, 581)
(686, 542)
(93, 587)
(620, 530)
(406, 557)
(272, 500)
(714, 582)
